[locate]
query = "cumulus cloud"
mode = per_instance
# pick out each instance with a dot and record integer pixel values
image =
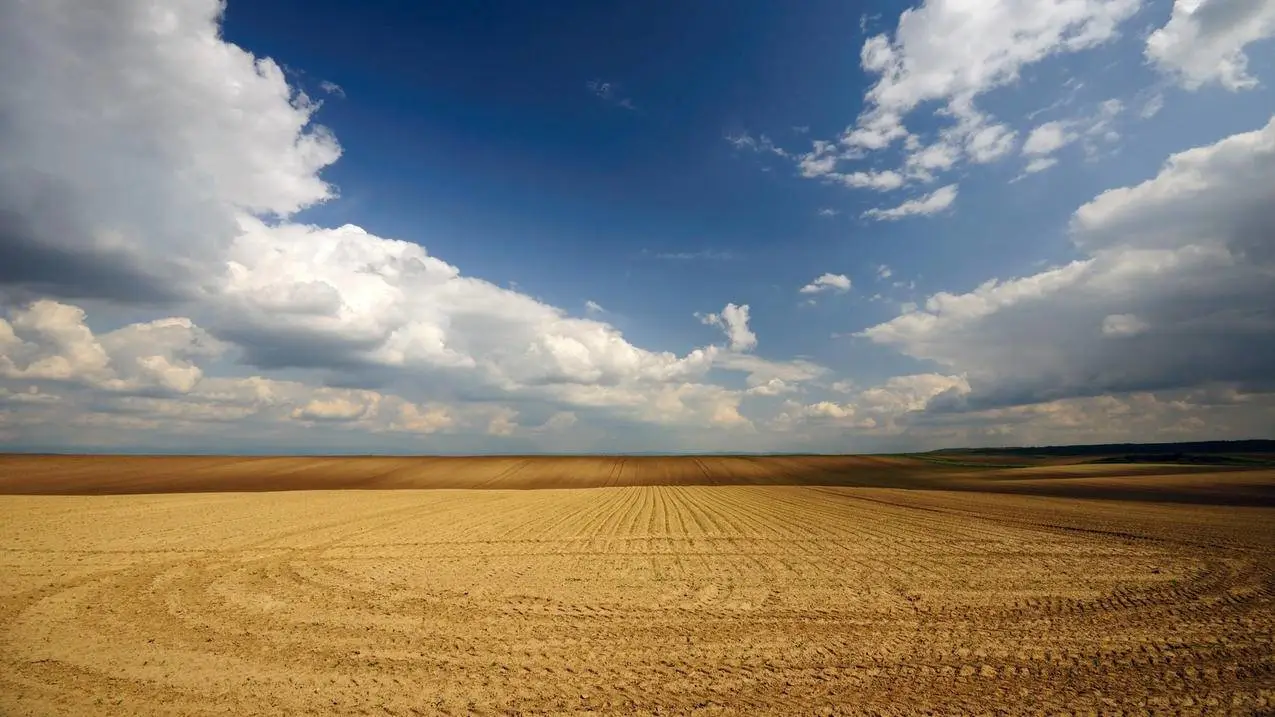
(1047, 139)
(149, 375)
(220, 151)
(761, 371)
(947, 55)
(988, 143)
(414, 418)
(822, 161)
(951, 54)
(772, 387)
(503, 423)
(337, 409)
(881, 410)
(146, 90)
(1174, 292)
(734, 321)
(1134, 417)
(925, 411)
(838, 283)
(307, 297)
(1204, 41)
(273, 330)
(49, 340)
(932, 203)
(954, 52)
(1092, 132)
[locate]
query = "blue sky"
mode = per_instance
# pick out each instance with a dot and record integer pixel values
(596, 183)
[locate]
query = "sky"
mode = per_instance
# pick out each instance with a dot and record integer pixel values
(509, 227)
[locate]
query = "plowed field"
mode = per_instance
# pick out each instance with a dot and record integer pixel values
(702, 599)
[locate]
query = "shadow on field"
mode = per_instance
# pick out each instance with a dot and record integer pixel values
(1048, 476)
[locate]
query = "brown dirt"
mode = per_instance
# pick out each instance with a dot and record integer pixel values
(95, 475)
(116, 475)
(638, 599)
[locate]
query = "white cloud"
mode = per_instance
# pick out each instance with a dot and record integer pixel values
(1047, 139)
(219, 151)
(413, 418)
(932, 203)
(112, 390)
(746, 141)
(1204, 41)
(734, 321)
(880, 409)
(974, 137)
(881, 181)
(201, 129)
(338, 408)
(503, 423)
(820, 161)
(761, 371)
(1132, 417)
(826, 212)
(903, 394)
(884, 272)
(827, 409)
(1039, 164)
(668, 404)
(1217, 194)
(952, 53)
(838, 283)
(379, 337)
(49, 340)
(940, 156)
(946, 50)
(593, 307)
(843, 386)
(914, 413)
(1152, 106)
(332, 88)
(772, 387)
(1178, 268)
(989, 143)
(377, 302)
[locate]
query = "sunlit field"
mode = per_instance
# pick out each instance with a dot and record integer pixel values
(709, 592)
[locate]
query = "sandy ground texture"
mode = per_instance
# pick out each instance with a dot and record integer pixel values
(634, 600)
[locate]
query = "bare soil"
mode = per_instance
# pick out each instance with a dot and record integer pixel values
(691, 586)
(115, 474)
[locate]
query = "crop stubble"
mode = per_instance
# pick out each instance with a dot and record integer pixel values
(713, 599)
